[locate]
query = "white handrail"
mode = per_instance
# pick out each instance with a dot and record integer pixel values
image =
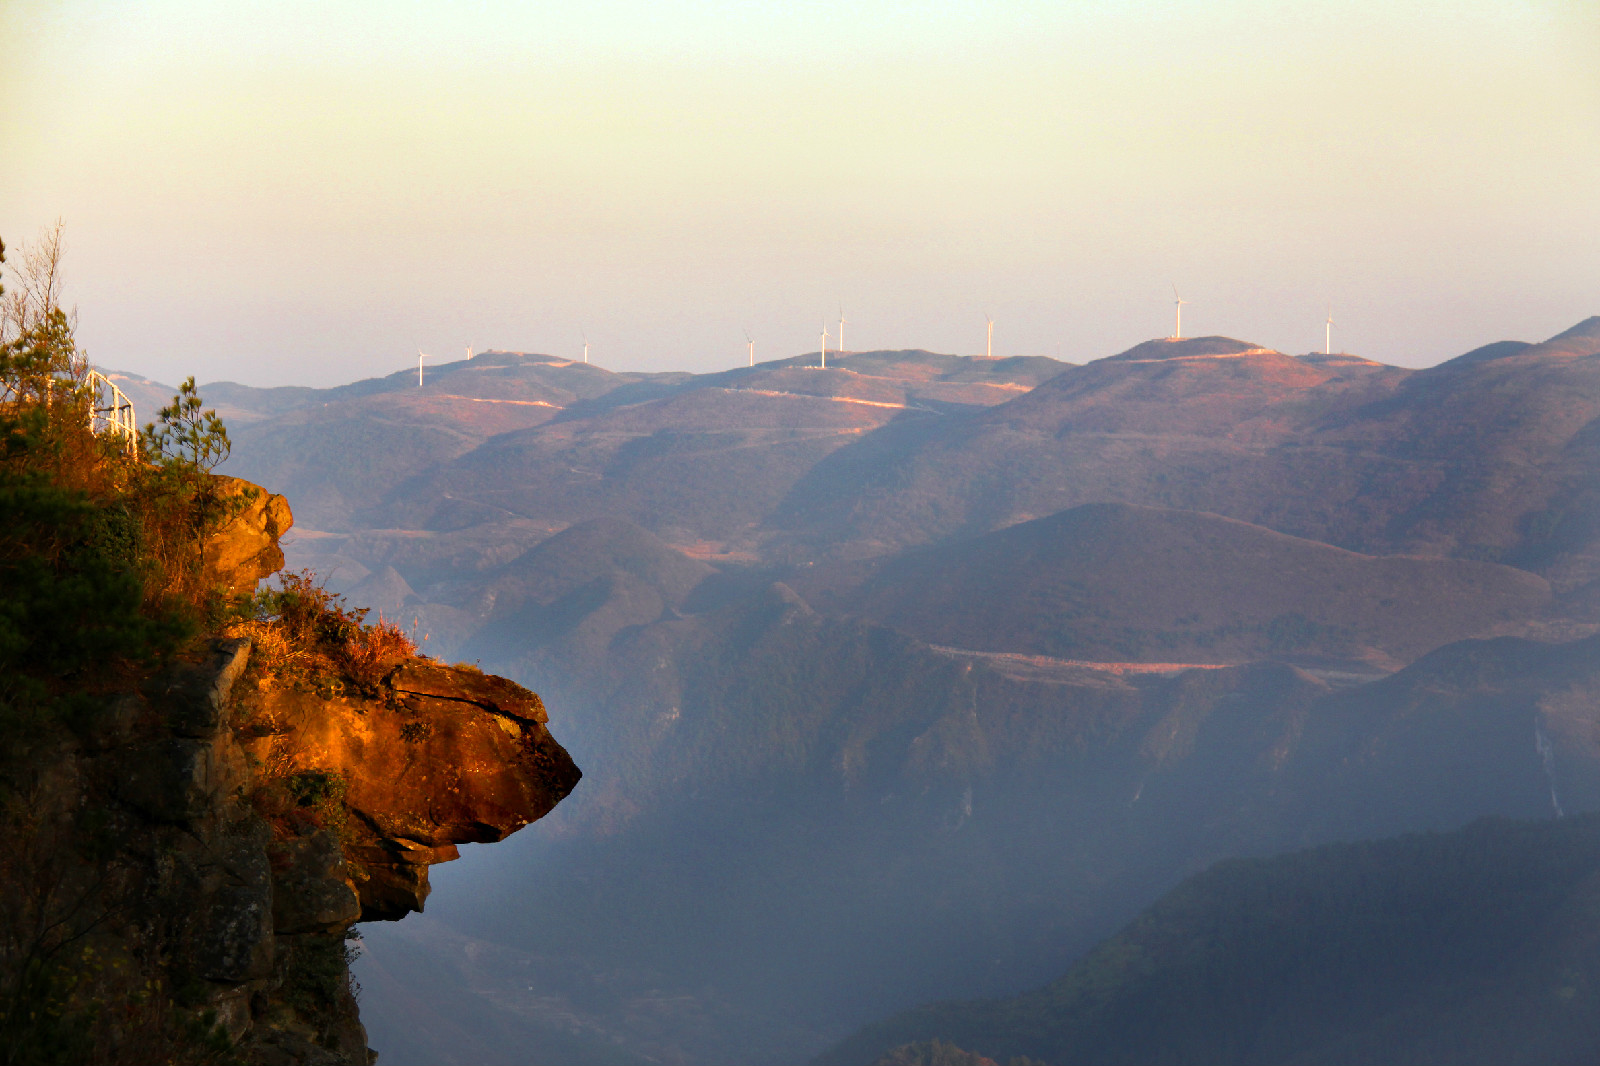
(115, 416)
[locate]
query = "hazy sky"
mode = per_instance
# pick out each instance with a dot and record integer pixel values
(296, 192)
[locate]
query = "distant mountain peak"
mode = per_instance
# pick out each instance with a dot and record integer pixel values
(1490, 352)
(1337, 359)
(1587, 330)
(1189, 347)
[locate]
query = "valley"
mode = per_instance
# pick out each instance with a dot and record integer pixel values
(915, 678)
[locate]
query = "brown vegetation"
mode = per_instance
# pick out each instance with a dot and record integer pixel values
(303, 634)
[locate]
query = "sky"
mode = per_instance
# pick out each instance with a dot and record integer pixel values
(305, 193)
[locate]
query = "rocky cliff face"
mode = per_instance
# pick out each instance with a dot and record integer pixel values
(439, 756)
(246, 549)
(239, 824)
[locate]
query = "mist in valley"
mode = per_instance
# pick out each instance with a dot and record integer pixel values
(844, 756)
(1052, 534)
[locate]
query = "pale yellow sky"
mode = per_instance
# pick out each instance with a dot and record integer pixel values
(298, 193)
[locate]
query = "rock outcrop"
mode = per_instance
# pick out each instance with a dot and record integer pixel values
(245, 549)
(437, 756)
(213, 832)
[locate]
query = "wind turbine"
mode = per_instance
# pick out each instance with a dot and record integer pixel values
(421, 355)
(841, 327)
(824, 346)
(988, 348)
(585, 337)
(750, 344)
(1178, 302)
(1327, 336)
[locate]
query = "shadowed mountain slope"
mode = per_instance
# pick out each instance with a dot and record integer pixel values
(585, 583)
(1513, 447)
(1119, 582)
(893, 819)
(901, 812)
(1477, 946)
(898, 822)
(1195, 428)
(1477, 458)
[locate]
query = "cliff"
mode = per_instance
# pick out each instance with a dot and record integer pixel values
(201, 841)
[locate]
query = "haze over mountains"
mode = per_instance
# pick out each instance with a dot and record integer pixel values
(915, 677)
(1467, 947)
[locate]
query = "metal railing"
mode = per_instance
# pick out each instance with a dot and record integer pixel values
(112, 412)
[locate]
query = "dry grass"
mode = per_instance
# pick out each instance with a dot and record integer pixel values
(304, 634)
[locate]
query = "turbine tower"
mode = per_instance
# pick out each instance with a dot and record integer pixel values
(585, 337)
(824, 346)
(751, 345)
(988, 348)
(421, 355)
(1327, 335)
(1178, 302)
(841, 327)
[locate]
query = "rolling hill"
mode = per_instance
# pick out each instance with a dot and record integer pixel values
(1484, 458)
(1118, 582)
(1477, 946)
(883, 671)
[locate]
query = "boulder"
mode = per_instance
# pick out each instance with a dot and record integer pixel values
(441, 756)
(245, 550)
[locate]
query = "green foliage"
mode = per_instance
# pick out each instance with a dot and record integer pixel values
(100, 551)
(186, 434)
(320, 793)
(40, 1025)
(318, 974)
(72, 592)
(101, 579)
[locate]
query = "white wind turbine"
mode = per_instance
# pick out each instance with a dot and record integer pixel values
(751, 345)
(988, 348)
(1327, 335)
(841, 327)
(1178, 302)
(585, 337)
(421, 355)
(824, 346)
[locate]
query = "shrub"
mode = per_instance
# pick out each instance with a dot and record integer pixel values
(304, 634)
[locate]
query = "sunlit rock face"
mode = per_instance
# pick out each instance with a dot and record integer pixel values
(438, 756)
(430, 757)
(249, 817)
(246, 549)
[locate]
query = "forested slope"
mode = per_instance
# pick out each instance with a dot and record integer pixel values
(1477, 946)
